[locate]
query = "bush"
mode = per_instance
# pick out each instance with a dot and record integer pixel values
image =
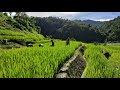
(105, 43)
(73, 39)
(5, 14)
(19, 41)
(4, 41)
(96, 43)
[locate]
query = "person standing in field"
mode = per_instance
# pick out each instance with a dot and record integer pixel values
(68, 41)
(52, 43)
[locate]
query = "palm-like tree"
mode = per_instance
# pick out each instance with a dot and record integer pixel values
(10, 13)
(24, 14)
(21, 15)
(17, 14)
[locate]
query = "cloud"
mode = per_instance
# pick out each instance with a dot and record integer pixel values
(103, 20)
(54, 14)
(97, 16)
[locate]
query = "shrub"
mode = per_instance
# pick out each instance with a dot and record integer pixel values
(73, 39)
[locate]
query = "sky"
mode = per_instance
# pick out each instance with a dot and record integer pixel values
(96, 16)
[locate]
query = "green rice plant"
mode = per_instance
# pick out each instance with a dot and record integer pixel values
(35, 62)
(99, 66)
(17, 36)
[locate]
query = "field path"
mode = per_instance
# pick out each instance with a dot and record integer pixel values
(74, 67)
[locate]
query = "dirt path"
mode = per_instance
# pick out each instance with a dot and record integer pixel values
(74, 67)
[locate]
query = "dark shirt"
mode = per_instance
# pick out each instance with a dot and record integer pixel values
(52, 43)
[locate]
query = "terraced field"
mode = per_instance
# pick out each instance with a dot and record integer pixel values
(98, 65)
(35, 62)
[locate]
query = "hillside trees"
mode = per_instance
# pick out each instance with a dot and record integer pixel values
(62, 29)
(114, 26)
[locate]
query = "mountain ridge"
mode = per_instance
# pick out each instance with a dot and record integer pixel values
(92, 22)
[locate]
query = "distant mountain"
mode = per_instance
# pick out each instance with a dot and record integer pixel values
(114, 27)
(33, 29)
(62, 29)
(91, 22)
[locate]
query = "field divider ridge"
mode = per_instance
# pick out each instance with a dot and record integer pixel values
(74, 67)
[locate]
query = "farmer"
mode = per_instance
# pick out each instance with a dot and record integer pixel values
(68, 41)
(29, 45)
(40, 45)
(52, 43)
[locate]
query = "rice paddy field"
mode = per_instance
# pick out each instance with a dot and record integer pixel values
(98, 66)
(35, 62)
(27, 36)
(44, 62)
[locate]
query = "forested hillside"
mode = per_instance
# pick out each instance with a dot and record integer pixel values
(91, 22)
(19, 28)
(62, 28)
(114, 27)
(21, 21)
(25, 28)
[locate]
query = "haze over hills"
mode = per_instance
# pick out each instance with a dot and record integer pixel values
(114, 26)
(92, 22)
(96, 16)
(63, 28)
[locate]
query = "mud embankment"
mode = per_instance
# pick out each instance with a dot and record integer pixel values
(74, 67)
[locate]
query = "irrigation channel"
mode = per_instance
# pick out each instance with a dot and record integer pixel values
(74, 67)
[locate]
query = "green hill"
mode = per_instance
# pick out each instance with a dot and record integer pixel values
(22, 28)
(114, 27)
(91, 22)
(19, 29)
(62, 28)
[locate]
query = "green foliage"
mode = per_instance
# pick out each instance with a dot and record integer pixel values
(3, 17)
(114, 26)
(91, 22)
(62, 29)
(100, 67)
(105, 43)
(23, 23)
(5, 14)
(20, 37)
(72, 39)
(35, 62)
(96, 43)
(19, 30)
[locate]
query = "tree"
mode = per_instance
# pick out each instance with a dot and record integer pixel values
(17, 14)
(21, 15)
(10, 13)
(6, 14)
(24, 15)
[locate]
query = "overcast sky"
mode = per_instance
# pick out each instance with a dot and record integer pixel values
(97, 16)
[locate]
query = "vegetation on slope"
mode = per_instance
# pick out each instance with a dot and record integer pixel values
(62, 28)
(99, 66)
(19, 28)
(114, 26)
(91, 22)
(35, 62)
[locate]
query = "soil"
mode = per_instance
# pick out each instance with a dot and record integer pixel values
(77, 67)
(74, 67)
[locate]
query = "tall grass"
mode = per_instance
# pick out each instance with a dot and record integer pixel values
(35, 62)
(100, 67)
(11, 35)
